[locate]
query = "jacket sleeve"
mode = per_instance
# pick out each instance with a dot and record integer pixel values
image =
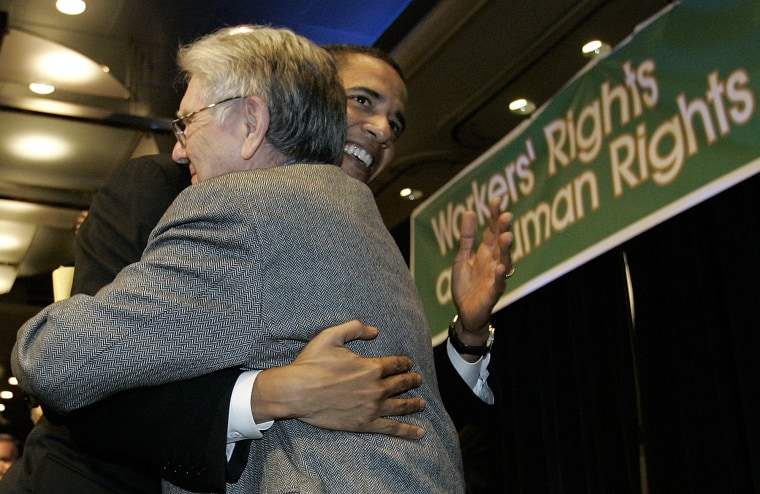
(123, 213)
(480, 426)
(189, 307)
(178, 428)
(464, 406)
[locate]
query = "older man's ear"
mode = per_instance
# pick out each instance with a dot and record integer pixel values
(257, 124)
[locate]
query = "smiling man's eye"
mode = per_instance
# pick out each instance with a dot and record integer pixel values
(362, 100)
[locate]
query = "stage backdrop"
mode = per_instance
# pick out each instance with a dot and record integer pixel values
(663, 122)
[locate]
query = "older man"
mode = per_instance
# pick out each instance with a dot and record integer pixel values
(183, 423)
(250, 263)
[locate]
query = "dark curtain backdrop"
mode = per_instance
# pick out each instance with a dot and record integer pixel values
(697, 333)
(588, 387)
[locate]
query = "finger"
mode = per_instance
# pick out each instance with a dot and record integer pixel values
(401, 383)
(396, 407)
(468, 229)
(505, 250)
(395, 428)
(494, 221)
(348, 331)
(398, 366)
(505, 222)
(495, 207)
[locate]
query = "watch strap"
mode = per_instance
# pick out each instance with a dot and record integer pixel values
(469, 349)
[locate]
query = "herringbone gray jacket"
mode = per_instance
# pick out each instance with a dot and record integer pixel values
(243, 270)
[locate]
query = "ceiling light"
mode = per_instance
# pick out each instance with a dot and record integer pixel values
(26, 58)
(522, 106)
(7, 277)
(40, 88)
(594, 48)
(10, 241)
(70, 7)
(6, 395)
(411, 194)
(38, 147)
(15, 238)
(68, 66)
(13, 381)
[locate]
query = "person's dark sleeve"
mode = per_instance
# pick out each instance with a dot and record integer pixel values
(179, 428)
(462, 404)
(478, 424)
(122, 215)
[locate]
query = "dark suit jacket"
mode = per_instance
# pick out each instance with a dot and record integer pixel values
(109, 457)
(185, 422)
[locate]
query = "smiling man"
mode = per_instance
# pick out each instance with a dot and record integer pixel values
(377, 96)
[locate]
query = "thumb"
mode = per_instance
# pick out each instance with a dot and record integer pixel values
(348, 331)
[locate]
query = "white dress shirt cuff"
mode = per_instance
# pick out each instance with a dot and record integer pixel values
(240, 422)
(473, 373)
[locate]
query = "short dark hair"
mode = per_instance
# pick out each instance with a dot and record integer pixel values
(341, 51)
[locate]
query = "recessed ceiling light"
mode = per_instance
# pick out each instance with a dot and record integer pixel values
(522, 106)
(38, 147)
(68, 66)
(70, 7)
(49, 62)
(594, 48)
(39, 88)
(411, 194)
(10, 241)
(15, 238)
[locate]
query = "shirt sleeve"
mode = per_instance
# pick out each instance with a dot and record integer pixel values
(241, 424)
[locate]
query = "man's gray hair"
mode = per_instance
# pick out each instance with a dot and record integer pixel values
(296, 79)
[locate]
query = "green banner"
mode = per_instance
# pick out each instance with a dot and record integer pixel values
(666, 120)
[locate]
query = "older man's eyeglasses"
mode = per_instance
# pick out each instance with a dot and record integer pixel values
(179, 124)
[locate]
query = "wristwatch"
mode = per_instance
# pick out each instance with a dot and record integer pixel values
(468, 349)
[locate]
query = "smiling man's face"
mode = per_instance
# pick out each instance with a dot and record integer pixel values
(375, 114)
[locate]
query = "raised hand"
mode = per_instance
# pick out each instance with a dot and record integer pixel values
(479, 276)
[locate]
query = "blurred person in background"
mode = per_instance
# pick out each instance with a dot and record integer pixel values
(10, 450)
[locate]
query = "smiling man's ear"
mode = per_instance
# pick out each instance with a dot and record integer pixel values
(257, 125)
